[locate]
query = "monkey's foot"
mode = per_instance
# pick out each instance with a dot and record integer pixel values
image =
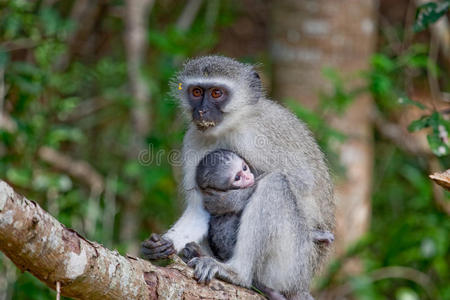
(157, 247)
(205, 268)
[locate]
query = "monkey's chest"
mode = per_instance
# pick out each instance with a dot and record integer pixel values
(222, 234)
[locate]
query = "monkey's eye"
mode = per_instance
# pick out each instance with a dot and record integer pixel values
(216, 93)
(237, 178)
(244, 168)
(197, 92)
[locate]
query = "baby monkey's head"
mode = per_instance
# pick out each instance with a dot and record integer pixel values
(223, 170)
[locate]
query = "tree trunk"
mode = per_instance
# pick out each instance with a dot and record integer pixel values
(38, 243)
(135, 38)
(308, 36)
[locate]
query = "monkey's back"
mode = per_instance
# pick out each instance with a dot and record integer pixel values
(288, 146)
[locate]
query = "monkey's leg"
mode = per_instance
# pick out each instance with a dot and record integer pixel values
(302, 296)
(270, 293)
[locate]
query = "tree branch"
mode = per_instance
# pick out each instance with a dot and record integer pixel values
(443, 179)
(59, 256)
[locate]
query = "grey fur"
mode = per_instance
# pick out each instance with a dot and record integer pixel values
(274, 246)
(225, 203)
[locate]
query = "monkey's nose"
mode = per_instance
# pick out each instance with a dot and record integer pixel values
(201, 112)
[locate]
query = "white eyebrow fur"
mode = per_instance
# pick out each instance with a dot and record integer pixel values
(203, 80)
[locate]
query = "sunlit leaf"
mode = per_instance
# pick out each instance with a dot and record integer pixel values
(429, 13)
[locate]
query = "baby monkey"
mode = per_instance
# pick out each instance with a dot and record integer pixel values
(227, 182)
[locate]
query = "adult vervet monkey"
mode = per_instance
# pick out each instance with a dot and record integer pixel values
(229, 110)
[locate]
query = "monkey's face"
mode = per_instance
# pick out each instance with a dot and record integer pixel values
(216, 92)
(241, 176)
(207, 102)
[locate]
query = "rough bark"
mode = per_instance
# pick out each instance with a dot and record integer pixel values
(308, 36)
(36, 242)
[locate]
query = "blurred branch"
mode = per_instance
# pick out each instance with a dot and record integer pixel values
(84, 14)
(188, 15)
(86, 108)
(18, 44)
(81, 269)
(6, 123)
(397, 135)
(78, 169)
(212, 10)
(136, 16)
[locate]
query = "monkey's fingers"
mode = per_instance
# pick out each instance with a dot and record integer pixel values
(155, 248)
(158, 255)
(210, 274)
(193, 262)
(156, 241)
(204, 269)
(155, 237)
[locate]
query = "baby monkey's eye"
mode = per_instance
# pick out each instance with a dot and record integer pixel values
(244, 168)
(237, 177)
(197, 92)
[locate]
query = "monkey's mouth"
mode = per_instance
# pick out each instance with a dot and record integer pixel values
(204, 124)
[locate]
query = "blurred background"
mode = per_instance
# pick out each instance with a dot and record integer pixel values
(87, 128)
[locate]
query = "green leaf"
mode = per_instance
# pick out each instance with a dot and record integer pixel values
(382, 62)
(438, 139)
(438, 147)
(417, 125)
(429, 13)
(407, 101)
(20, 177)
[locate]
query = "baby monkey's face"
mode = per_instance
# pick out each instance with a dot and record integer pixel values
(240, 175)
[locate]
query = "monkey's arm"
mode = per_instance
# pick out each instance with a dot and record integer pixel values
(193, 224)
(191, 227)
(223, 202)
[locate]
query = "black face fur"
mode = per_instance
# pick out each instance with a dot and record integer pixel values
(207, 102)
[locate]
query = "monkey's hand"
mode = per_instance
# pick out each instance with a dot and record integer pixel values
(190, 251)
(157, 247)
(205, 268)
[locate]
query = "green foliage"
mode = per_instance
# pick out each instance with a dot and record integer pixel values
(438, 137)
(82, 109)
(429, 13)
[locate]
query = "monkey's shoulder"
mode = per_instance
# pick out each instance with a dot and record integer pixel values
(279, 119)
